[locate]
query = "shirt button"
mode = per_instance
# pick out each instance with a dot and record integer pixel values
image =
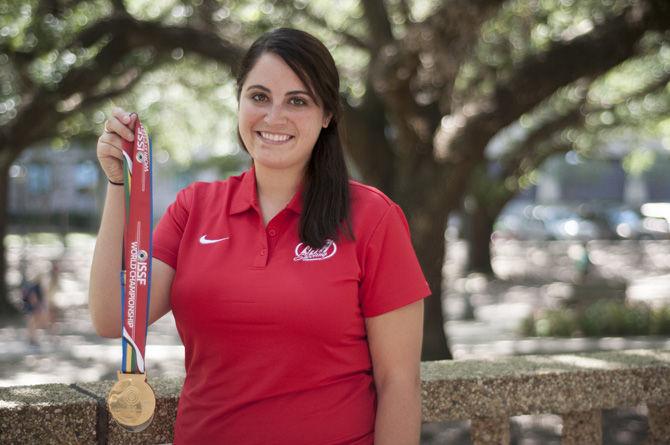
(263, 252)
(272, 232)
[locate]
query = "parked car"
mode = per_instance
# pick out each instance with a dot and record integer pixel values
(623, 222)
(519, 225)
(628, 224)
(564, 223)
(656, 218)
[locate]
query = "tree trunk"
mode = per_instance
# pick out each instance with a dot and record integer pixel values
(479, 240)
(7, 309)
(435, 346)
(428, 224)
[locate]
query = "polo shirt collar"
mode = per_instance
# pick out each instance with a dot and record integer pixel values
(246, 195)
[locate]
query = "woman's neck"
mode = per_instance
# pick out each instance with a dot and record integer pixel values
(277, 186)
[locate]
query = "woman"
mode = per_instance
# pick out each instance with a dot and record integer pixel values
(285, 343)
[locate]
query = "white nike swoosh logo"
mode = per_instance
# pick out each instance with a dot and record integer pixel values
(204, 240)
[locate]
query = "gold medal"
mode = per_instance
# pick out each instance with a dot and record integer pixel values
(132, 402)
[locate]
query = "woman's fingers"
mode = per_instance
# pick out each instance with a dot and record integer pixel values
(112, 139)
(133, 121)
(128, 119)
(113, 125)
(121, 115)
(121, 123)
(109, 149)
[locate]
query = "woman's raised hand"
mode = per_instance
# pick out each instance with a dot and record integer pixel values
(119, 126)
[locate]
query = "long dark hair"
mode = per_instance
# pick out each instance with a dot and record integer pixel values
(326, 202)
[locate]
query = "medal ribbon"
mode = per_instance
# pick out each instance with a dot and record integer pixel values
(136, 254)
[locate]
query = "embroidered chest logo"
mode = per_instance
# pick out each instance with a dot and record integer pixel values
(304, 252)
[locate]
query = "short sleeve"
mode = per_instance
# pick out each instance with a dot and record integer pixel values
(392, 275)
(169, 230)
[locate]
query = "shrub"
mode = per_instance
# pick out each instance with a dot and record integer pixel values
(660, 321)
(602, 318)
(552, 322)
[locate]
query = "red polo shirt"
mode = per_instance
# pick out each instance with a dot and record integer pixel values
(274, 332)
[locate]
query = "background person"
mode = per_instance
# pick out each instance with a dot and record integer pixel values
(37, 303)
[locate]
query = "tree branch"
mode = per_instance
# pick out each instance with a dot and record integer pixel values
(410, 75)
(465, 133)
(119, 7)
(406, 10)
(347, 37)
(450, 34)
(574, 117)
(126, 34)
(545, 140)
(130, 79)
(162, 37)
(377, 18)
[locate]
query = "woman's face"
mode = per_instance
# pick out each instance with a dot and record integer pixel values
(279, 121)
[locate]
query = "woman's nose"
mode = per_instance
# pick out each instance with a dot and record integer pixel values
(275, 114)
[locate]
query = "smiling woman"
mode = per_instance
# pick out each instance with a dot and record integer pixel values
(279, 119)
(296, 290)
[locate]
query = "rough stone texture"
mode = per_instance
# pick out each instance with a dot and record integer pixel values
(490, 431)
(46, 414)
(161, 428)
(466, 389)
(659, 424)
(582, 428)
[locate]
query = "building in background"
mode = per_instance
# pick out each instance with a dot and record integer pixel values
(64, 190)
(570, 179)
(54, 190)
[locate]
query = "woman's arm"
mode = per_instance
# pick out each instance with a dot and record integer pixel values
(395, 341)
(104, 294)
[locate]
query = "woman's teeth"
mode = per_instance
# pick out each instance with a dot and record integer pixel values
(275, 137)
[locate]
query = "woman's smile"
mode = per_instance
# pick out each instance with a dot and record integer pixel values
(274, 138)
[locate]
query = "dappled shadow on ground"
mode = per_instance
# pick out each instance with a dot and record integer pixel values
(77, 354)
(484, 313)
(533, 263)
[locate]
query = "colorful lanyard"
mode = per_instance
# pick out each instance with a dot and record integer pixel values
(136, 256)
(131, 401)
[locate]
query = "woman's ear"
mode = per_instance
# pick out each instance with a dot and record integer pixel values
(327, 119)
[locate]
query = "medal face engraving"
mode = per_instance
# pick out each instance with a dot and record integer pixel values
(132, 402)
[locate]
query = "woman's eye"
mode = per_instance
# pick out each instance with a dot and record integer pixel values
(298, 101)
(259, 97)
